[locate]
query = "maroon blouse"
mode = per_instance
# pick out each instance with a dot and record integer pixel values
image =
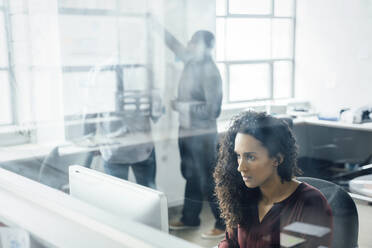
(306, 204)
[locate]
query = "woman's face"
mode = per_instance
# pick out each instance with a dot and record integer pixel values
(255, 165)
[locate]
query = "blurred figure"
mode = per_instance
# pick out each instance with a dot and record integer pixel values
(199, 105)
(124, 136)
(131, 145)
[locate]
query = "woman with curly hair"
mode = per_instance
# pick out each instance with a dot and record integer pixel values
(256, 186)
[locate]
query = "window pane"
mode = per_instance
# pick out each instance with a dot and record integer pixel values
(132, 40)
(248, 39)
(3, 43)
(220, 7)
(88, 40)
(220, 39)
(284, 7)
(282, 43)
(282, 79)
(249, 82)
(5, 107)
(252, 7)
(89, 92)
(87, 4)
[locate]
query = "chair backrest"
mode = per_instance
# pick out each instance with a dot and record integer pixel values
(288, 120)
(345, 214)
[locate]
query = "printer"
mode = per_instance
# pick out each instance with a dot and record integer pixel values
(358, 115)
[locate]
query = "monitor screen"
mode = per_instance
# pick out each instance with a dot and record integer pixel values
(119, 197)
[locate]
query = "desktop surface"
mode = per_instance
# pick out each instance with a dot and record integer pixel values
(60, 220)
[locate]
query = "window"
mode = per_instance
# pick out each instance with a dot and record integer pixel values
(255, 48)
(99, 57)
(79, 63)
(5, 86)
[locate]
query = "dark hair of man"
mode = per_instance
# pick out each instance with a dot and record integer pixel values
(236, 200)
(205, 36)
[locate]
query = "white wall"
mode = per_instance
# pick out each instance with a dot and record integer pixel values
(334, 53)
(200, 15)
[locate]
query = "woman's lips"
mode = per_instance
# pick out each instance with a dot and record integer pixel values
(246, 178)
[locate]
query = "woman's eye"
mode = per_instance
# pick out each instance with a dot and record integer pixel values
(251, 158)
(246, 157)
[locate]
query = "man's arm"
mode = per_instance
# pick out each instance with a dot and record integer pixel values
(176, 47)
(172, 43)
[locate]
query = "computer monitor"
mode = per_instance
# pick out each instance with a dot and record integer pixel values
(119, 197)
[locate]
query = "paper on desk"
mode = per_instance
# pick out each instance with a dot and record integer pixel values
(307, 229)
(287, 240)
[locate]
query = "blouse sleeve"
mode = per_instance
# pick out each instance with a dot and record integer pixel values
(317, 211)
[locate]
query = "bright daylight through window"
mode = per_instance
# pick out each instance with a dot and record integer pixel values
(255, 48)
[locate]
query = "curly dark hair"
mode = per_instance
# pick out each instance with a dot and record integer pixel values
(236, 200)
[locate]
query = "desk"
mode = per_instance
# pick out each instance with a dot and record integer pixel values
(333, 124)
(40, 150)
(303, 127)
(332, 140)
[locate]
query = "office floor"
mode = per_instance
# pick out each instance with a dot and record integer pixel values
(365, 224)
(207, 222)
(364, 212)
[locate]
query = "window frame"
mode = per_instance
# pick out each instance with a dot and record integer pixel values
(227, 63)
(12, 95)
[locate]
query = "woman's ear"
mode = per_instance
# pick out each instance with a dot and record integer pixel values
(279, 159)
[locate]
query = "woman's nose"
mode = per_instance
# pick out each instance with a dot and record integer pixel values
(241, 165)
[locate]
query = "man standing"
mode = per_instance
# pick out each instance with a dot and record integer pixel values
(199, 105)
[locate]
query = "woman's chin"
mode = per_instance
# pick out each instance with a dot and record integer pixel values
(250, 185)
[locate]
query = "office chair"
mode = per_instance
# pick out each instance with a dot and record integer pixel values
(345, 215)
(54, 168)
(288, 120)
